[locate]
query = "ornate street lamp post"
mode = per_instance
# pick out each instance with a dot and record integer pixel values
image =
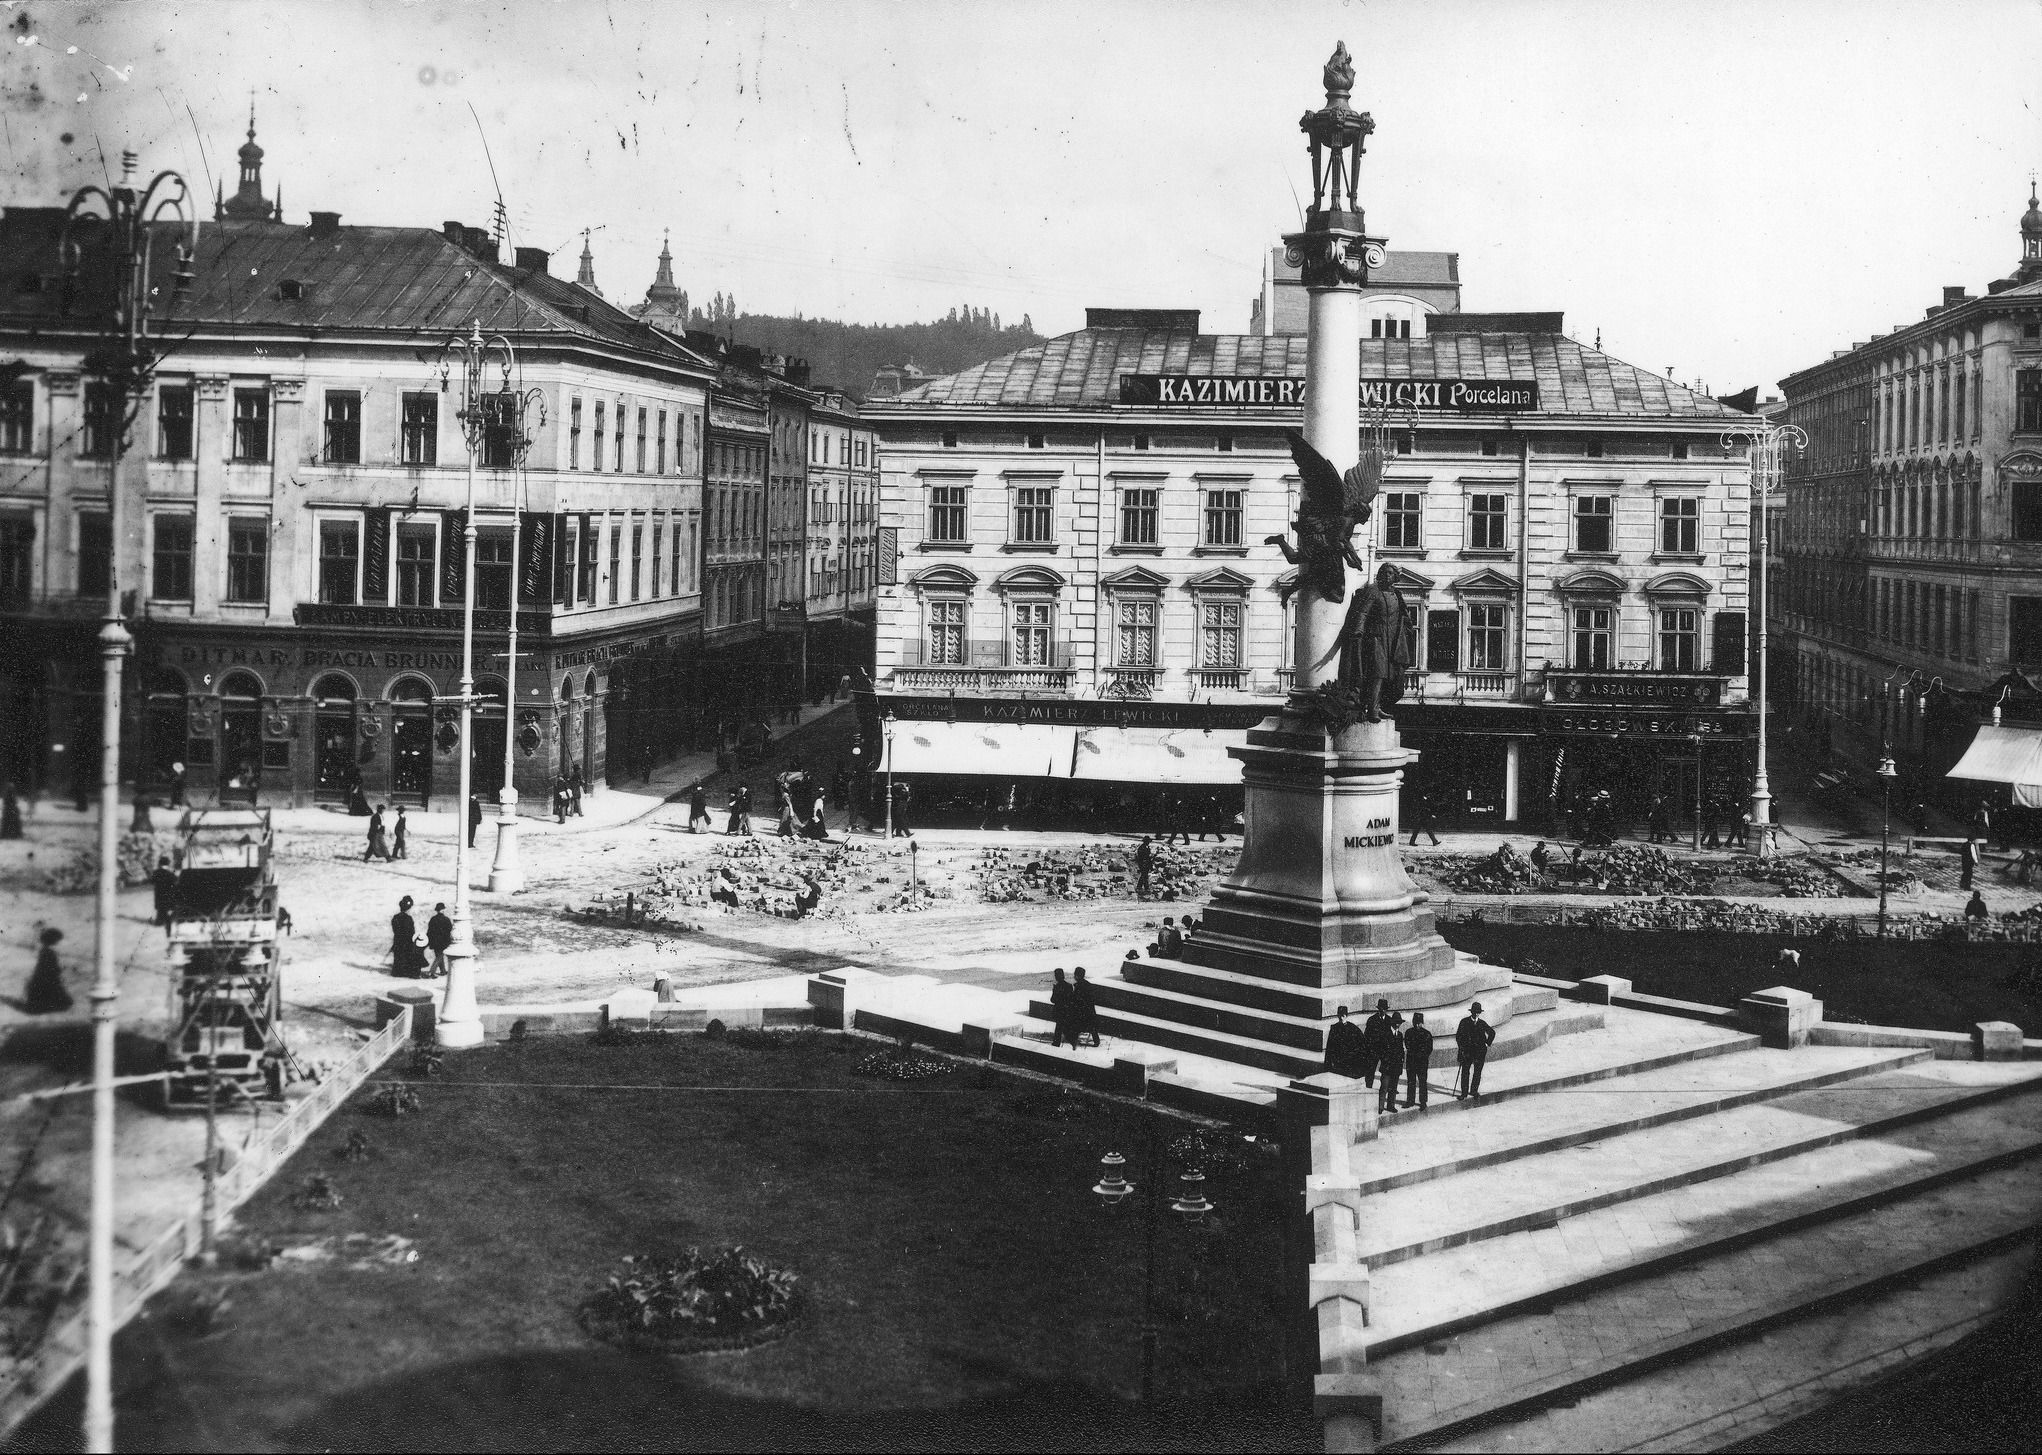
(1769, 445)
(460, 1020)
(123, 220)
(1191, 1205)
(1887, 773)
(523, 415)
(886, 729)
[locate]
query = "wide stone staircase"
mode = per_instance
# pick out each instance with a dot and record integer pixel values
(1680, 1251)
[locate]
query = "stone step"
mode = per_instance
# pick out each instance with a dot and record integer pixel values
(1490, 1202)
(1229, 941)
(1466, 979)
(1537, 1354)
(1551, 1120)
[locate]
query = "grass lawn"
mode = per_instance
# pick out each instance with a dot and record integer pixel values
(1923, 984)
(962, 1289)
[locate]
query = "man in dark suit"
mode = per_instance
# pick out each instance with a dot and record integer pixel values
(1472, 1039)
(439, 933)
(1417, 1056)
(1391, 1064)
(1373, 1035)
(1346, 1050)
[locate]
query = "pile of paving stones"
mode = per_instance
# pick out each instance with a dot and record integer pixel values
(760, 875)
(1008, 875)
(1795, 878)
(1631, 869)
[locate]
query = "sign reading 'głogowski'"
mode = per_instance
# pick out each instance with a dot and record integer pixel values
(1450, 396)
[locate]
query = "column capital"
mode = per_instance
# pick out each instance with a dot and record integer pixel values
(1333, 257)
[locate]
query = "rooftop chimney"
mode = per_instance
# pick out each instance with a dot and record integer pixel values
(325, 224)
(798, 372)
(1954, 295)
(533, 260)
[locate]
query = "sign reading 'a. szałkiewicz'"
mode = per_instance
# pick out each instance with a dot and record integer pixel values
(1448, 396)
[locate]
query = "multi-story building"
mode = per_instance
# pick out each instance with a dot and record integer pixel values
(788, 523)
(291, 508)
(734, 542)
(1909, 598)
(1396, 301)
(1083, 587)
(843, 509)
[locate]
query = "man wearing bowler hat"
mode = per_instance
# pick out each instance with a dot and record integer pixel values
(1472, 1039)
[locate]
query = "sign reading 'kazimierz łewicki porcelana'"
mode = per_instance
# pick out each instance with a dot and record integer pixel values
(1452, 396)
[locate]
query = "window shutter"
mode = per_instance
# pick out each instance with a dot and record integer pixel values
(535, 534)
(453, 557)
(1442, 641)
(376, 556)
(1727, 649)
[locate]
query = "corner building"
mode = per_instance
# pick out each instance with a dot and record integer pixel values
(1072, 554)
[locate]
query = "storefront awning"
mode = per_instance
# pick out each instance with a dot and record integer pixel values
(983, 749)
(1159, 755)
(2005, 755)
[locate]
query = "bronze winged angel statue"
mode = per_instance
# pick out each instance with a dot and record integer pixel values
(1330, 506)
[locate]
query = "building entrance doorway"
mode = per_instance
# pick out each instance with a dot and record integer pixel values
(334, 769)
(411, 742)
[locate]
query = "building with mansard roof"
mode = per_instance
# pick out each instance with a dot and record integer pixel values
(1075, 578)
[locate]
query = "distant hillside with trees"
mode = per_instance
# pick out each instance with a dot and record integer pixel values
(847, 355)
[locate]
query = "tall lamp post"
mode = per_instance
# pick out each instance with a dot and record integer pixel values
(1887, 773)
(125, 219)
(460, 1019)
(506, 875)
(1769, 442)
(886, 730)
(1113, 1189)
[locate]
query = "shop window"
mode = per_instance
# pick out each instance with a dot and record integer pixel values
(248, 560)
(343, 427)
(170, 576)
(1680, 638)
(421, 442)
(946, 634)
(251, 426)
(1486, 516)
(1219, 635)
(1135, 631)
(1139, 512)
(1593, 630)
(17, 558)
(1488, 637)
(95, 553)
(494, 570)
(340, 549)
(1592, 519)
(1403, 521)
(17, 419)
(173, 422)
(1223, 512)
(947, 515)
(1680, 525)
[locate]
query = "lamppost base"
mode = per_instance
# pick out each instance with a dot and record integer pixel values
(1762, 822)
(506, 875)
(459, 1023)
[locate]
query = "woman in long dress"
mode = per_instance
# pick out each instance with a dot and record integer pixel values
(46, 994)
(405, 961)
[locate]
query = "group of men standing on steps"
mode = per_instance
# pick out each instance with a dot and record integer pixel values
(1387, 1046)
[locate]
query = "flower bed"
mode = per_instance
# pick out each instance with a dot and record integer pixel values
(694, 1304)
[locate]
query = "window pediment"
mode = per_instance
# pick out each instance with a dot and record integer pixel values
(1677, 583)
(1135, 578)
(943, 578)
(2024, 465)
(1222, 580)
(1486, 582)
(1029, 578)
(1411, 583)
(1590, 583)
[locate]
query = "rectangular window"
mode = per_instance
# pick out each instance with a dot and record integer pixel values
(1592, 516)
(571, 558)
(17, 419)
(494, 570)
(2024, 630)
(343, 427)
(1442, 640)
(1680, 525)
(1487, 638)
(248, 560)
(597, 463)
(417, 583)
(1033, 622)
(1485, 522)
(1223, 518)
(170, 580)
(1680, 639)
(1403, 520)
(502, 430)
(1138, 513)
(947, 514)
(574, 434)
(682, 580)
(17, 558)
(2027, 510)
(1035, 442)
(173, 422)
(1592, 638)
(1032, 504)
(1680, 449)
(659, 457)
(591, 544)
(340, 553)
(616, 560)
(95, 553)
(102, 421)
(2028, 400)
(658, 529)
(946, 633)
(421, 442)
(1219, 635)
(251, 426)
(619, 467)
(641, 440)
(1726, 643)
(637, 557)
(1135, 643)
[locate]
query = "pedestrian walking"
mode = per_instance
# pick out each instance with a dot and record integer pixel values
(379, 838)
(786, 799)
(1969, 853)
(645, 762)
(1712, 824)
(1391, 1064)
(698, 809)
(1472, 1039)
(740, 810)
(1144, 866)
(902, 796)
(1373, 1034)
(1173, 819)
(164, 884)
(1085, 1011)
(474, 817)
(398, 840)
(357, 796)
(559, 799)
(1422, 819)
(1660, 819)
(46, 994)
(1740, 830)
(439, 933)
(1417, 1060)
(1060, 1015)
(574, 787)
(1346, 1050)
(177, 785)
(405, 961)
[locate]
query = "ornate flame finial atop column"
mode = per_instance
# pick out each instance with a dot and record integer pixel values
(1333, 251)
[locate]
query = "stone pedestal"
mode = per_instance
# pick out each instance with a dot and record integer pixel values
(1782, 1016)
(1998, 1041)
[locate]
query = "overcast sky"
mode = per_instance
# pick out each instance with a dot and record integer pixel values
(1730, 189)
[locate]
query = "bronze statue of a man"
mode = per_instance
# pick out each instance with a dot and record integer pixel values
(1374, 652)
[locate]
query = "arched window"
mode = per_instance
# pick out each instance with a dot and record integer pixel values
(240, 684)
(335, 689)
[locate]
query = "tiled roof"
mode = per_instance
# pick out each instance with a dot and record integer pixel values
(414, 281)
(1082, 371)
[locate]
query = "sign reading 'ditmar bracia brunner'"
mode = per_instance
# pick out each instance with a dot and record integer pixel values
(1449, 396)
